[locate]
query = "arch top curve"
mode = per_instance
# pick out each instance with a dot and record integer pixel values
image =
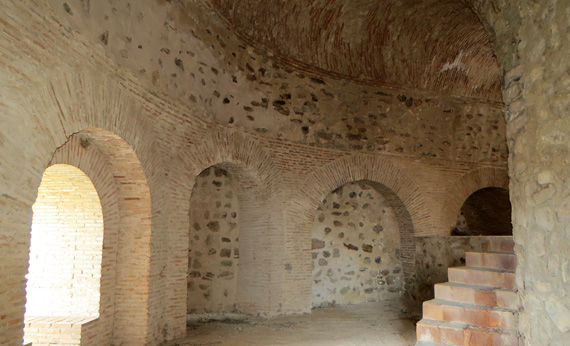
(236, 152)
(467, 184)
(363, 167)
(477, 179)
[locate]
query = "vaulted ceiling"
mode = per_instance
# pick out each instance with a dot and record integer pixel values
(437, 45)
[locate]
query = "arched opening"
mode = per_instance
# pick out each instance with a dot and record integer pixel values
(213, 255)
(64, 276)
(117, 183)
(486, 212)
(356, 245)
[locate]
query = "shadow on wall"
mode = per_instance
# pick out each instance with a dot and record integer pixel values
(486, 212)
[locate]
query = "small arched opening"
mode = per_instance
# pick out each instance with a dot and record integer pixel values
(486, 212)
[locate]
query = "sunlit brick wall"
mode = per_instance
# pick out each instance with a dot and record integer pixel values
(66, 247)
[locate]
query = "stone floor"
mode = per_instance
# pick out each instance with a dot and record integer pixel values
(383, 323)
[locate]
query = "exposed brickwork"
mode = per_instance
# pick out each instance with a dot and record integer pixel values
(66, 249)
(162, 88)
(47, 331)
(354, 39)
(236, 84)
(459, 190)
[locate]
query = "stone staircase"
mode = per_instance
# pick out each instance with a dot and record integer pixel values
(478, 306)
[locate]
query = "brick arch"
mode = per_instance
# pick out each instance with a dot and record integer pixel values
(463, 187)
(66, 105)
(233, 148)
(117, 175)
(96, 166)
(396, 186)
(87, 100)
(259, 282)
(46, 118)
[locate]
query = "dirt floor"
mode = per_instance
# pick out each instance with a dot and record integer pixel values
(384, 323)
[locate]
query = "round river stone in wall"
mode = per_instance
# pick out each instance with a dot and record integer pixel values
(357, 226)
(214, 217)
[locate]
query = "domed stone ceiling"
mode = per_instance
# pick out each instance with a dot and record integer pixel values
(437, 45)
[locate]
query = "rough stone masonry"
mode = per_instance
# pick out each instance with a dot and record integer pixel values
(428, 101)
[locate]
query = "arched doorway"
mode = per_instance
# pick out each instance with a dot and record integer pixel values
(66, 247)
(116, 178)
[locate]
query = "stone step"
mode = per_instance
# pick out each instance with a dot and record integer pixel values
(477, 295)
(500, 244)
(459, 334)
(492, 260)
(476, 315)
(482, 277)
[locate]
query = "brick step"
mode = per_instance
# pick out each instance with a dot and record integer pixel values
(482, 277)
(428, 343)
(477, 295)
(491, 260)
(500, 244)
(460, 334)
(476, 315)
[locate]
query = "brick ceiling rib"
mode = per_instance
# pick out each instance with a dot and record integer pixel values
(437, 45)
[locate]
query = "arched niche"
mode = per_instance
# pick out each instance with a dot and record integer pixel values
(213, 255)
(356, 245)
(230, 247)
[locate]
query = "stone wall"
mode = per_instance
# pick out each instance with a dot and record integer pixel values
(149, 98)
(213, 254)
(187, 52)
(532, 48)
(355, 248)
